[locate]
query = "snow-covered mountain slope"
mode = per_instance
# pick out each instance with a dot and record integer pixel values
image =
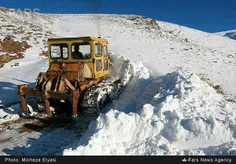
(230, 34)
(165, 109)
(162, 48)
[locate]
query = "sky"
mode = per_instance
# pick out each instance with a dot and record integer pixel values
(205, 15)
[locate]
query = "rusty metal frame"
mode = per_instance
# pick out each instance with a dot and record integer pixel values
(72, 97)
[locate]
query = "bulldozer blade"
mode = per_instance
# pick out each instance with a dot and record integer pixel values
(23, 103)
(46, 95)
(47, 106)
(75, 99)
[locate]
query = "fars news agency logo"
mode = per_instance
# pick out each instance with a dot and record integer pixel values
(184, 160)
(23, 14)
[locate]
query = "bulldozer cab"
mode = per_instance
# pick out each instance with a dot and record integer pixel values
(73, 53)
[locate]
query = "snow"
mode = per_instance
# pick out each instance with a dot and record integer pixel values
(27, 73)
(10, 113)
(230, 34)
(185, 116)
(165, 109)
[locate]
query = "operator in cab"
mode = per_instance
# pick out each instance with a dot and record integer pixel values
(76, 54)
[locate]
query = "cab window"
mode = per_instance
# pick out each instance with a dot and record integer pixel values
(105, 51)
(98, 50)
(58, 51)
(81, 50)
(98, 65)
(105, 64)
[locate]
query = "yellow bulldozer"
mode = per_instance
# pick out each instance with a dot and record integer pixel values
(78, 73)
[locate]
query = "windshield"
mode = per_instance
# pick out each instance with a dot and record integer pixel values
(58, 51)
(81, 51)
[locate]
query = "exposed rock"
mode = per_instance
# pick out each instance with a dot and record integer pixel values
(7, 58)
(153, 24)
(8, 45)
(44, 53)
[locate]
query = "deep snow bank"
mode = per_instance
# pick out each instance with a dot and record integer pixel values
(171, 114)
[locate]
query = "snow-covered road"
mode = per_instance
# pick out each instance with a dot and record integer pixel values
(40, 135)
